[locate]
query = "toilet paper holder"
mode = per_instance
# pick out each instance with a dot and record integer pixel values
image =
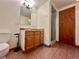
(18, 45)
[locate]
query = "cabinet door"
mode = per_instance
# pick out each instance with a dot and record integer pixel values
(42, 37)
(37, 39)
(29, 40)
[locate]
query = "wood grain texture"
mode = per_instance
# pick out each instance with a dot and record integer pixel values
(67, 26)
(58, 51)
(33, 39)
(29, 40)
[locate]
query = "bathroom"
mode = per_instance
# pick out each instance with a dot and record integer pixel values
(33, 26)
(12, 20)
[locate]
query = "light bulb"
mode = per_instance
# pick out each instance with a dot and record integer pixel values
(29, 3)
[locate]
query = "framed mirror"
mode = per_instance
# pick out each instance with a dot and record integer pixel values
(25, 16)
(28, 14)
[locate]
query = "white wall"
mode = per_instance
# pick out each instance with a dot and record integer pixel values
(22, 41)
(57, 26)
(9, 18)
(44, 21)
(53, 24)
(77, 24)
(57, 20)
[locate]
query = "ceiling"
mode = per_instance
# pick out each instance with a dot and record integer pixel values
(58, 3)
(38, 3)
(27, 12)
(62, 3)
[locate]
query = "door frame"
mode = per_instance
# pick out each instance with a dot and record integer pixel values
(71, 6)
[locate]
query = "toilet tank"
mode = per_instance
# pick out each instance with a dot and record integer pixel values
(5, 36)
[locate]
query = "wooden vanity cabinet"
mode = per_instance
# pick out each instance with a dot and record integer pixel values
(33, 39)
(29, 38)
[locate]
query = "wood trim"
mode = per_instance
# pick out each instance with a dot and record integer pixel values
(66, 7)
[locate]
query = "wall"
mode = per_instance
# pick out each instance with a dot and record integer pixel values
(22, 41)
(53, 24)
(43, 21)
(9, 18)
(57, 20)
(77, 24)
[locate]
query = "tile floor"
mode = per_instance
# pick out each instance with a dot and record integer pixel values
(58, 51)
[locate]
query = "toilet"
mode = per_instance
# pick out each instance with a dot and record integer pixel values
(4, 46)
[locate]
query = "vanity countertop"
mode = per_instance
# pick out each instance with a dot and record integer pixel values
(32, 29)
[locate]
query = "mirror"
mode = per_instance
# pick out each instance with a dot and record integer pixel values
(25, 16)
(28, 14)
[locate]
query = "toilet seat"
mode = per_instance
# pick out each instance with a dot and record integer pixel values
(3, 46)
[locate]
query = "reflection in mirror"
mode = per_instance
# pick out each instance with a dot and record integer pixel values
(25, 16)
(28, 13)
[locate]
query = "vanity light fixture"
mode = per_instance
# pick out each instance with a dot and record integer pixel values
(29, 3)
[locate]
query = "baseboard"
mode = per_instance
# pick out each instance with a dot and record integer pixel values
(16, 49)
(47, 45)
(52, 43)
(12, 49)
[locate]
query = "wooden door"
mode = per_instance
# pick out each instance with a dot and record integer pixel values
(67, 26)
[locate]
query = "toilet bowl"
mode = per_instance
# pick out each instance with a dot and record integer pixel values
(4, 49)
(5, 36)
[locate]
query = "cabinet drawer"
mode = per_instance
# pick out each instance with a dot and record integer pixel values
(37, 43)
(37, 39)
(29, 33)
(37, 33)
(30, 36)
(29, 43)
(42, 40)
(42, 37)
(29, 46)
(29, 39)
